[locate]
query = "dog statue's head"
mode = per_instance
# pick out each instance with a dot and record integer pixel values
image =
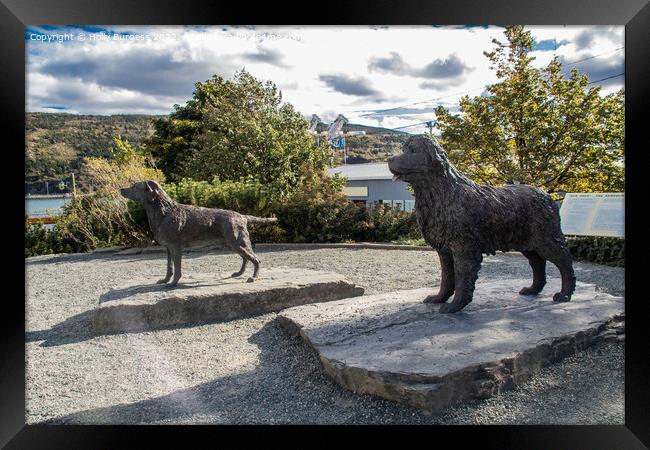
(421, 158)
(143, 191)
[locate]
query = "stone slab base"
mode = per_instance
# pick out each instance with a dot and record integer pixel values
(399, 348)
(142, 305)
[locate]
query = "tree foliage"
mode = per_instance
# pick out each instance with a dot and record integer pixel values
(237, 130)
(104, 217)
(537, 127)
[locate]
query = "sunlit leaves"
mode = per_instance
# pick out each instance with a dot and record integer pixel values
(236, 130)
(537, 127)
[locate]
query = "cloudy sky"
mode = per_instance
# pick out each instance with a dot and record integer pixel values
(386, 76)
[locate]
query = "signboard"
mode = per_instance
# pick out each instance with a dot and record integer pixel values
(338, 142)
(355, 191)
(593, 214)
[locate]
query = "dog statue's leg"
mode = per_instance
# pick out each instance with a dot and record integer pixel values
(243, 268)
(561, 257)
(446, 278)
(177, 255)
(243, 246)
(256, 262)
(467, 263)
(247, 253)
(538, 264)
(169, 269)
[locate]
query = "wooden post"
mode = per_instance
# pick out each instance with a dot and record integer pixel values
(74, 186)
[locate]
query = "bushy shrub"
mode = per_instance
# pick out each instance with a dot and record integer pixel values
(410, 241)
(609, 251)
(304, 220)
(105, 218)
(102, 220)
(42, 241)
(387, 224)
(246, 198)
(318, 212)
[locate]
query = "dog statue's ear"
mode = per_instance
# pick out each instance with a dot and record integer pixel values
(151, 186)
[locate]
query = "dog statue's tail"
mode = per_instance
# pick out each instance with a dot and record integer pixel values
(253, 219)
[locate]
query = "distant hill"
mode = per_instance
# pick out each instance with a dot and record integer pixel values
(57, 142)
(356, 127)
(377, 145)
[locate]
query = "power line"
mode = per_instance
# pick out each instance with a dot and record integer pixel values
(424, 123)
(409, 126)
(380, 111)
(592, 57)
(474, 89)
(606, 78)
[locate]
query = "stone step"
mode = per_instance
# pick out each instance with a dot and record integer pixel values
(141, 305)
(394, 346)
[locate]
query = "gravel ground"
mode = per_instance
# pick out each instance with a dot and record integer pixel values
(250, 370)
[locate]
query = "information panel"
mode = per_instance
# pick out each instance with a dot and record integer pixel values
(594, 214)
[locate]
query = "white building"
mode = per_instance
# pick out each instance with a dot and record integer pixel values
(373, 183)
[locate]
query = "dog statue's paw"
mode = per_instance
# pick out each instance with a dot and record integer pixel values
(529, 291)
(236, 274)
(452, 307)
(162, 281)
(561, 298)
(250, 280)
(436, 299)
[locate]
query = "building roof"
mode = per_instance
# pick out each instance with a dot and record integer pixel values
(370, 171)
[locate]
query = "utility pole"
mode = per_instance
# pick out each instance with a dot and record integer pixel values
(74, 186)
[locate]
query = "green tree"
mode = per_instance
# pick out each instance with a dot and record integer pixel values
(236, 130)
(537, 127)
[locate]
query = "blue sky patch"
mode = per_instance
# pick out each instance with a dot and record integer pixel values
(548, 45)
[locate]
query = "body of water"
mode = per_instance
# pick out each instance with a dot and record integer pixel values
(44, 207)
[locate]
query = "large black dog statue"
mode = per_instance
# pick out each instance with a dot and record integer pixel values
(462, 220)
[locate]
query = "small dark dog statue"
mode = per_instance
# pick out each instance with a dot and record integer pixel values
(177, 226)
(462, 220)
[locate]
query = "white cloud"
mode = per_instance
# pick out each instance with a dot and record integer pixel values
(321, 70)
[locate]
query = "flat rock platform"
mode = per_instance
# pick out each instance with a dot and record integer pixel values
(142, 305)
(394, 346)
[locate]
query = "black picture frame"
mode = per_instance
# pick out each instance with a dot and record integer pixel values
(15, 15)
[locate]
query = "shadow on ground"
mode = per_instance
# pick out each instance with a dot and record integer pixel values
(287, 373)
(77, 328)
